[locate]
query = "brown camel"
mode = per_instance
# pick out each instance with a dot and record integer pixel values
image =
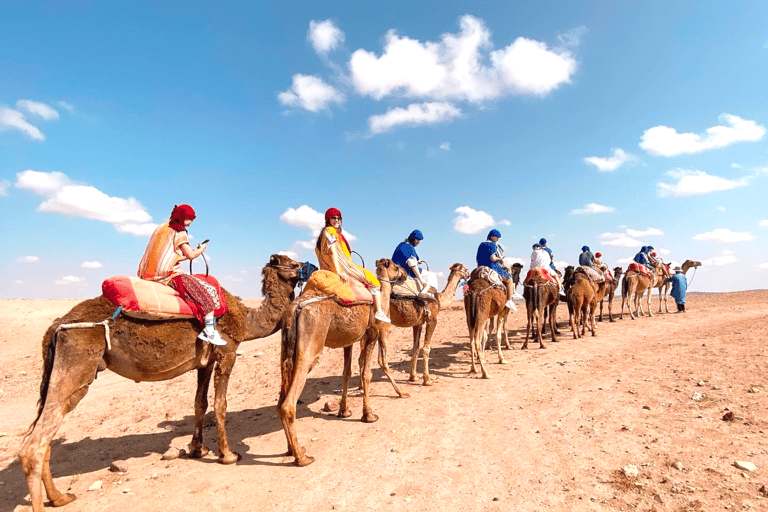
(143, 350)
(634, 286)
(689, 264)
(540, 295)
(314, 321)
(514, 270)
(609, 293)
(664, 285)
(415, 313)
(482, 301)
(580, 295)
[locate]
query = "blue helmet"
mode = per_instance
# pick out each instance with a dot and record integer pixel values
(543, 241)
(644, 249)
(537, 246)
(416, 235)
(494, 232)
(584, 249)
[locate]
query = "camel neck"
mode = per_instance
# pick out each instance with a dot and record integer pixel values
(445, 298)
(265, 320)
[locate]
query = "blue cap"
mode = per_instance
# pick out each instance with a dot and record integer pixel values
(644, 249)
(650, 247)
(494, 232)
(537, 246)
(416, 234)
(585, 248)
(543, 241)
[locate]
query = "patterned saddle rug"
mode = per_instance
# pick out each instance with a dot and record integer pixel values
(487, 273)
(325, 282)
(592, 274)
(539, 273)
(640, 269)
(149, 300)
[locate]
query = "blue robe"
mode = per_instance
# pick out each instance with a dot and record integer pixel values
(483, 258)
(679, 285)
(402, 252)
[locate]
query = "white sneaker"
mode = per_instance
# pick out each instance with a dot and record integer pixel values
(382, 317)
(212, 336)
(511, 305)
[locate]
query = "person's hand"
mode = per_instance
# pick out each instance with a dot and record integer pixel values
(202, 247)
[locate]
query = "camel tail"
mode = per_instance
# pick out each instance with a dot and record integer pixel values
(473, 297)
(50, 357)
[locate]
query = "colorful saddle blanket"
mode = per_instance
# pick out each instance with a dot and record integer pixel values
(592, 274)
(487, 273)
(153, 301)
(639, 268)
(325, 282)
(542, 273)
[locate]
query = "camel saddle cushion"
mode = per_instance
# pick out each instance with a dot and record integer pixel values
(325, 282)
(153, 301)
(541, 273)
(592, 274)
(487, 273)
(406, 288)
(640, 269)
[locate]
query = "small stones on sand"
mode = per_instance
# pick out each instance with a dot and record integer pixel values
(171, 454)
(729, 416)
(240, 352)
(646, 407)
(763, 490)
(331, 406)
(119, 466)
(745, 465)
(630, 471)
(677, 465)
(753, 390)
(258, 354)
(95, 486)
(696, 397)
(700, 383)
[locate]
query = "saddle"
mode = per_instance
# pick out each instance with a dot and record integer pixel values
(640, 269)
(540, 274)
(325, 282)
(149, 300)
(488, 274)
(592, 274)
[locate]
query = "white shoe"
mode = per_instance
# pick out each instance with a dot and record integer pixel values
(382, 317)
(212, 336)
(511, 305)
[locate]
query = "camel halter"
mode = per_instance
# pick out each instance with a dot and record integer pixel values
(109, 322)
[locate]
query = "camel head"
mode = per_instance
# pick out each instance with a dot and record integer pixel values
(284, 268)
(617, 272)
(461, 269)
(388, 270)
(691, 264)
(570, 276)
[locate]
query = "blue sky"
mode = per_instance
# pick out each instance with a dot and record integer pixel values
(610, 124)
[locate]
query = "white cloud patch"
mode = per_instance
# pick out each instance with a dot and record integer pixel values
(310, 93)
(291, 254)
(692, 183)
(445, 146)
(91, 264)
(28, 259)
(644, 232)
(470, 221)
(572, 37)
(66, 106)
(593, 208)
(304, 216)
(11, 119)
(724, 236)
(763, 266)
(721, 208)
(38, 109)
(629, 238)
(68, 280)
(613, 162)
(415, 114)
(726, 258)
(666, 141)
(4, 184)
(69, 198)
(764, 223)
(455, 67)
(325, 36)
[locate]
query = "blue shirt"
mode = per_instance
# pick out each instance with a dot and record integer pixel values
(679, 285)
(586, 259)
(403, 251)
(483, 258)
(642, 259)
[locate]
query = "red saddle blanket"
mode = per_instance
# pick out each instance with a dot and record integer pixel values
(153, 301)
(350, 293)
(639, 268)
(541, 272)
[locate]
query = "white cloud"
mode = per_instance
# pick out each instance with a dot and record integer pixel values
(763, 266)
(644, 232)
(304, 216)
(310, 93)
(629, 238)
(572, 37)
(415, 114)
(445, 146)
(593, 208)
(325, 36)
(764, 223)
(38, 109)
(455, 67)
(69, 198)
(726, 258)
(4, 184)
(691, 183)
(622, 241)
(28, 259)
(66, 106)
(725, 236)
(291, 254)
(721, 208)
(67, 280)
(470, 221)
(509, 261)
(622, 261)
(613, 162)
(505, 222)
(11, 119)
(666, 141)
(91, 264)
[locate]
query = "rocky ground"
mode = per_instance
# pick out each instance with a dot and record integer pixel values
(666, 413)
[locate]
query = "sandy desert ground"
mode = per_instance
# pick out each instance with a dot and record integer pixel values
(550, 431)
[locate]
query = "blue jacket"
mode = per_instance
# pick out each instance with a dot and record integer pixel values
(402, 252)
(586, 259)
(551, 261)
(679, 285)
(642, 258)
(483, 257)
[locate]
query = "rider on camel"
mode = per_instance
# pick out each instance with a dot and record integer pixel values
(488, 255)
(554, 273)
(406, 257)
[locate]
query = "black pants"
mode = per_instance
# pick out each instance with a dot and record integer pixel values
(681, 307)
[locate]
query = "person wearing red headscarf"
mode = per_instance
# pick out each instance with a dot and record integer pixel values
(334, 254)
(167, 248)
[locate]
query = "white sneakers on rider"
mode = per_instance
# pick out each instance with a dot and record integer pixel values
(210, 334)
(381, 316)
(511, 305)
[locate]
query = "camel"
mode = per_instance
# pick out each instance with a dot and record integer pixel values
(482, 301)
(583, 296)
(314, 321)
(540, 295)
(143, 350)
(634, 286)
(415, 313)
(664, 285)
(515, 271)
(610, 291)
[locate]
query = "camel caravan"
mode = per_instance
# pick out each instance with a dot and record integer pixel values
(166, 322)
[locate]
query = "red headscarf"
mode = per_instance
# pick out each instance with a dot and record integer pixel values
(180, 214)
(598, 254)
(333, 212)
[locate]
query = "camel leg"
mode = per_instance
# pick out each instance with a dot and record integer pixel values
(472, 346)
(224, 366)
(383, 340)
(197, 448)
(68, 384)
(650, 308)
(368, 414)
(498, 339)
(415, 352)
(344, 411)
(431, 324)
(553, 320)
(505, 332)
(481, 353)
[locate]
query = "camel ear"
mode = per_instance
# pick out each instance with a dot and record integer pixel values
(273, 260)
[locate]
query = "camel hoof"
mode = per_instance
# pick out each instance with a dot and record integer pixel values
(412, 378)
(502, 361)
(486, 376)
(369, 418)
(230, 458)
(542, 346)
(403, 394)
(64, 499)
(346, 413)
(198, 453)
(304, 460)
(429, 382)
